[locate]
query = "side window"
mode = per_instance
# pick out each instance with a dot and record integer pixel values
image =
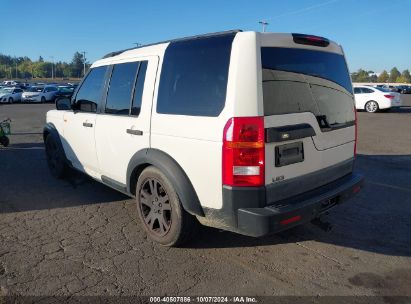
(138, 91)
(366, 90)
(90, 92)
(194, 76)
(121, 87)
(357, 91)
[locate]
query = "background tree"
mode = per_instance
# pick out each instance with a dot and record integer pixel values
(405, 77)
(360, 76)
(394, 74)
(383, 77)
(77, 65)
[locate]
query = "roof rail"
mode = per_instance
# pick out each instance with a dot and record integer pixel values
(115, 53)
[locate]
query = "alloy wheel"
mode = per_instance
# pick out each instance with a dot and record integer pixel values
(155, 207)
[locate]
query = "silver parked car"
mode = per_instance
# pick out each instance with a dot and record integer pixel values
(10, 94)
(40, 94)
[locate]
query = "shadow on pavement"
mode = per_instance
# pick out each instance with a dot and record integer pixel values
(28, 185)
(378, 219)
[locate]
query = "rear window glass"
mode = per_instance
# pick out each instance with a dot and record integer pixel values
(300, 80)
(194, 76)
(321, 64)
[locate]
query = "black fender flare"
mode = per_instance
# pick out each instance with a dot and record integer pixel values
(51, 130)
(172, 170)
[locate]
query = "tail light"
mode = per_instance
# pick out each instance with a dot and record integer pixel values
(389, 96)
(355, 130)
(243, 152)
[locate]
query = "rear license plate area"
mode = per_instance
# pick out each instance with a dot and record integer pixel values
(289, 154)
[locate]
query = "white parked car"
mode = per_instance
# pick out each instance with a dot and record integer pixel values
(10, 94)
(249, 132)
(40, 94)
(10, 82)
(373, 99)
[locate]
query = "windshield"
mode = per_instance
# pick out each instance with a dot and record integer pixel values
(35, 89)
(6, 90)
(66, 89)
(301, 80)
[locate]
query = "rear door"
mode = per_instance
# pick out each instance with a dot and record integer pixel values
(123, 125)
(309, 117)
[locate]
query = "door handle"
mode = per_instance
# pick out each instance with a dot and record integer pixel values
(134, 132)
(87, 125)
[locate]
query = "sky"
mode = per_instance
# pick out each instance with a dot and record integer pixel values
(375, 34)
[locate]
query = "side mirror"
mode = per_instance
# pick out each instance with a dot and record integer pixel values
(63, 103)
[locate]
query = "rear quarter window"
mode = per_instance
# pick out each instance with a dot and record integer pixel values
(194, 76)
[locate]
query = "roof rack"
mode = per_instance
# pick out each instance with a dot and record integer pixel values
(115, 53)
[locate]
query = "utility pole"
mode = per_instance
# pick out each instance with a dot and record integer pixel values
(15, 62)
(264, 24)
(84, 62)
(52, 67)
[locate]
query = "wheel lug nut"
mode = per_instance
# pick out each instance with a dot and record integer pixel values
(156, 199)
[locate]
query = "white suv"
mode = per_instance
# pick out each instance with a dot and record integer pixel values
(248, 132)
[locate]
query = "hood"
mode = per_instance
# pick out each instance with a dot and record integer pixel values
(31, 93)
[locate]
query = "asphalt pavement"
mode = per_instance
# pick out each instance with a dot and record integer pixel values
(77, 237)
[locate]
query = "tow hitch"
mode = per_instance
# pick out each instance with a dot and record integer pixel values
(325, 226)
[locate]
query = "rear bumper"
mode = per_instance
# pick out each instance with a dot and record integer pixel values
(251, 211)
(297, 210)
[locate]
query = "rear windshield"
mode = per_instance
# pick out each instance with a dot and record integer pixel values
(300, 80)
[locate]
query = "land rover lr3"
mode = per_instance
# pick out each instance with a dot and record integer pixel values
(249, 132)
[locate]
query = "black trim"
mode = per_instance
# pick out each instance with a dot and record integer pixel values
(255, 211)
(278, 191)
(289, 132)
(173, 171)
(235, 198)
(134, 132)
(262, 221)
(114, 184)
(87, 124)
(51, 130)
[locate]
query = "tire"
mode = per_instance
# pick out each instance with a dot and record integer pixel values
(11, 100)
(55, 158)
(160, 211)
(371, 106)
(4, 141)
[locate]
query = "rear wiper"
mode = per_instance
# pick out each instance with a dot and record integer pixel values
(323, 122)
